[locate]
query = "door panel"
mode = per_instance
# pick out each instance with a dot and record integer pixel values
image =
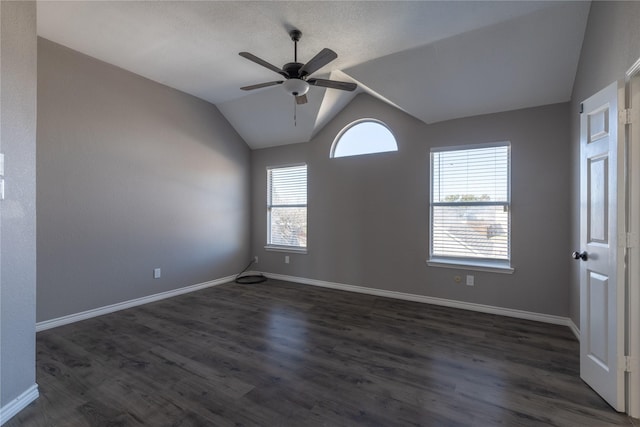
(598, 124)
(598, 213)
(597, 290)
(601, 269)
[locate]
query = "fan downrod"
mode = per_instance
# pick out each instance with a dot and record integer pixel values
(295, 36)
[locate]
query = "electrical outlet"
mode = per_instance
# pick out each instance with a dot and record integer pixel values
(255, 259)
(457, 279)
(286, 259)
(470, 280)
(156, 273)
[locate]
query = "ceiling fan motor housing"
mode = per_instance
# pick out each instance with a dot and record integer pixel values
(292, 69)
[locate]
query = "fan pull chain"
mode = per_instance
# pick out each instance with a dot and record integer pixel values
(295, 119)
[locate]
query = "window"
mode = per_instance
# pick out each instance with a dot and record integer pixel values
(287, 208)
(365, 136)
(470, 206)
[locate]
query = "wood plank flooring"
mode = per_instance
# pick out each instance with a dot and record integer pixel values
(283, 354)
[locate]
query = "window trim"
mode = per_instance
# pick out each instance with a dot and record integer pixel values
(353, 124)
(284, 248)
(491, 266)
(470, 263)
(289, 249)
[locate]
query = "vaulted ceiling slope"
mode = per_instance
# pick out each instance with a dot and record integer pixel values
(434, 60)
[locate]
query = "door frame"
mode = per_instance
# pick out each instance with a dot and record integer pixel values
(632, 276)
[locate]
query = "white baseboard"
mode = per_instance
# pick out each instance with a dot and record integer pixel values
(520, 314)
(509, 312)
(71, 318)
(18, 404)
(574, 329)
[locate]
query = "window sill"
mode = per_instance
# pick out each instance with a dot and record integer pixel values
(291, 249)
(489, 266)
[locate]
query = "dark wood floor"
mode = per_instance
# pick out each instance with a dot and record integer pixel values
(281, 354)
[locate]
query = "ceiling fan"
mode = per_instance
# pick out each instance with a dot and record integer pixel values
(296, 75)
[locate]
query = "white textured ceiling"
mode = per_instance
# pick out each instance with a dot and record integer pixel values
(434, 60)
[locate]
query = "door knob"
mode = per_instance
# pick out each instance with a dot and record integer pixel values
(580, 255)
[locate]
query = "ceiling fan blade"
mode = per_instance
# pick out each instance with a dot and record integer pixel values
(252, 57)
(320, 60)
(302, 99)
(259, 85)
(333, 84)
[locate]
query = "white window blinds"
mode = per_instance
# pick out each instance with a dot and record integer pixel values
(470, 197)
(287, 206)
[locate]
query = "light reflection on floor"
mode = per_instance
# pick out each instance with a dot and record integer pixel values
(287, 329)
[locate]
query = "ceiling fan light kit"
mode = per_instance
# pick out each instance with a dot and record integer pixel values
(296, 87)
(296, 73)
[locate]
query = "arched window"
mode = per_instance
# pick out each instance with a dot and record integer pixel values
(364, 136)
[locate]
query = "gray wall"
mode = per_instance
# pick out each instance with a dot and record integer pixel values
(368, 216)
(18, 210)
(611, 46)
(132, 175)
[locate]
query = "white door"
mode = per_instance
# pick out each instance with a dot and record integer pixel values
(601, 253)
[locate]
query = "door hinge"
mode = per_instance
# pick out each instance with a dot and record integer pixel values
(625, 116)
(632, 240)
(628, 363)
(1, 176)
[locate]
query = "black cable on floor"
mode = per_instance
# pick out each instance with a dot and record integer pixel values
(249, 279)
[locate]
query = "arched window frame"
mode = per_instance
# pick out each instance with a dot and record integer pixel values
(350, 126)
